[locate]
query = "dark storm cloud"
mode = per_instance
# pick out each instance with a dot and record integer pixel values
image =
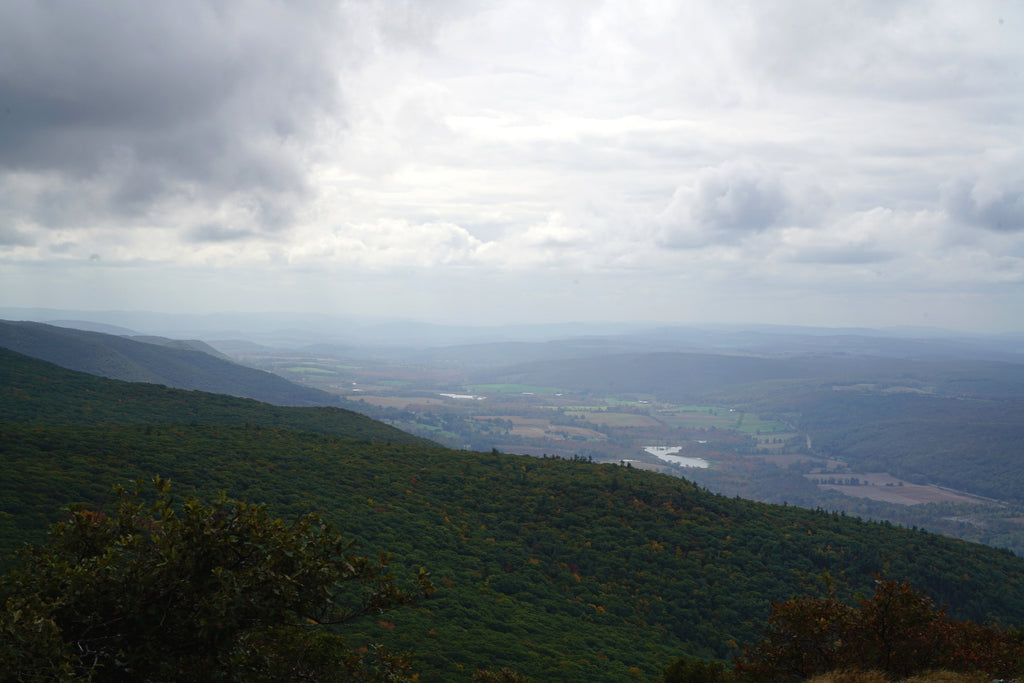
(193, 98)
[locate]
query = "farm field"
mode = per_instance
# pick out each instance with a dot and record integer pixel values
(789, 459)
(885, 487)
(402, 402)
(718, 416)
(779, 442)
(526, 389)
(750, 455)
(541, 428)
(609, 419)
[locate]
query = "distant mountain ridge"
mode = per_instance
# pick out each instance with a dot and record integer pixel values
(179, 364)
(396, 337)
(686, 376)
(186, 344)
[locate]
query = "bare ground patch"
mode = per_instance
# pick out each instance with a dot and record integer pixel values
(557, 432)
(887, 488)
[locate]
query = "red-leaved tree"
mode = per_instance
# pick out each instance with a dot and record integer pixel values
(898, 630)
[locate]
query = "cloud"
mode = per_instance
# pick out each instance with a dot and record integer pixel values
(737, 198)
(642, 149)
(213, 232)
(992, 199)
(386, 244)
(554, 233)
(191, 101)
(902, 243)
(847, 255)
(13, 237)
(734, 200)
(925, 51)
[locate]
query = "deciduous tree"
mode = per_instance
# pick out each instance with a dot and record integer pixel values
(898, 631)
(223, 591)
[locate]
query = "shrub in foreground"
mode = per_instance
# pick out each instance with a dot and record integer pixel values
(208, 592)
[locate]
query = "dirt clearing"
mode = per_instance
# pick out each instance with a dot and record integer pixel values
(889, 489)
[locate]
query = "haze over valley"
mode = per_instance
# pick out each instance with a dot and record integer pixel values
(511, 340)
(882, 424)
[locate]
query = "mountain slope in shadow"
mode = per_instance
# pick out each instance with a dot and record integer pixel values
(177, 366)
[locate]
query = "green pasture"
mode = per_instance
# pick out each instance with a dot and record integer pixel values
(319, 366)
(752, 424)
(308, 370)
(509, 389)
(637, 401)
(717, 416)
(701, 416)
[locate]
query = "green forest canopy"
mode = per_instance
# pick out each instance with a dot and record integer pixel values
(561, 569)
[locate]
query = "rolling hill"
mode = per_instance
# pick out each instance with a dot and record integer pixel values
(562, 569)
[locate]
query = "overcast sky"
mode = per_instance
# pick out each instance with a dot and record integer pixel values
(822, 163)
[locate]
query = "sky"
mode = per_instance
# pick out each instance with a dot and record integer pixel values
(484, 162)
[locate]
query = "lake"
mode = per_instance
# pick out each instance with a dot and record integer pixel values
(668, 454)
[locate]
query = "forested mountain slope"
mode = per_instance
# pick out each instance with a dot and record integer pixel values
(164, 363)
(38, 392)
(562, 569)
(186, 344)
(965, 442)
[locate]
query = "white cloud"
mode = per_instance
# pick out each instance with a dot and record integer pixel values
(386, 244)
(782, 149)
(878, 235)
